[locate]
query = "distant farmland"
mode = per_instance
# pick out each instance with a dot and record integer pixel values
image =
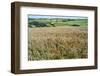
(54, 22)
(57, 38)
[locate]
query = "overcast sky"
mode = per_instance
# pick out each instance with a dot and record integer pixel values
(65, 17)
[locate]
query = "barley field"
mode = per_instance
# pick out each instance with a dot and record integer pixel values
(51, 43)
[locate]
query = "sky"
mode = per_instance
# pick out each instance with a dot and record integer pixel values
(65, 17)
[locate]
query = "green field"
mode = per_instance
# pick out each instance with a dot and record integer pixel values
(57, 22)
(57, 38)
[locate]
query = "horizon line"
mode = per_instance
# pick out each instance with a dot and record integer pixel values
(51, 16)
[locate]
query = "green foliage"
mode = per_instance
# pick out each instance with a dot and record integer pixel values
(30, 26)
(46, 22)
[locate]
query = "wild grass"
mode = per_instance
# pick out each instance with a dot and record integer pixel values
(50, 43)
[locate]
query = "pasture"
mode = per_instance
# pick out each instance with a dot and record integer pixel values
(55, 22)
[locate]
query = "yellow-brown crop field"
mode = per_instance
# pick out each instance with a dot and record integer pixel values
(50, 43)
